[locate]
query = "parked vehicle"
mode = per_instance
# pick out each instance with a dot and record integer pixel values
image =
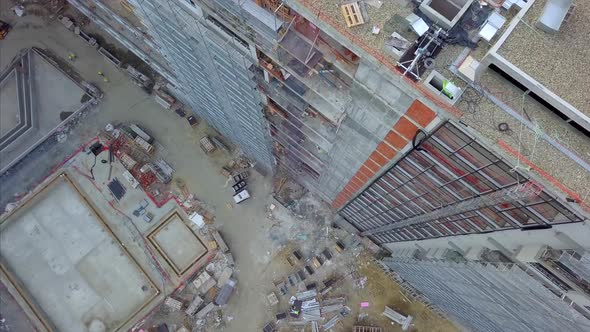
(241, 196)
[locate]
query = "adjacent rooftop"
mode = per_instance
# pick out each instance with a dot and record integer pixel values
(558, 61)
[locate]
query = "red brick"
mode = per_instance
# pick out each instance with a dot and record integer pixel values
(372, 165)
(347, 196)
(350, 188)
(340, 197)
(355, 185)
(336, 205)
(345, 199)
(378, 158)
(396, 140)
(366, 171)
(347, 189)
(339, 200)
(405, 128)
(420, 113)
(386, 151)
(361, 177)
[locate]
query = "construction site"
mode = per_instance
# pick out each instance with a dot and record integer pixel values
(268, 165)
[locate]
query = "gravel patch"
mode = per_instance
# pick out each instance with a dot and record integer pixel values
(484, 116)
(558, 61)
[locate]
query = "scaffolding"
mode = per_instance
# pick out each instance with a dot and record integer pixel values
(451, 184)
(212, 63)
(523, 191)
(488, 297)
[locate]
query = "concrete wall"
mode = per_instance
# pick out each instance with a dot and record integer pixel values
(391, 147)
(378, 106)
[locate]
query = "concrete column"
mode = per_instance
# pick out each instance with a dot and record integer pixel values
(420, 247)
(569, 241)
(456, 248)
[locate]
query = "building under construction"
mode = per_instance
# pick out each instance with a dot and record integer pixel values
(454, 134)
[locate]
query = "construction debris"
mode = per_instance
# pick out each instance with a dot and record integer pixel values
(222, 246)
(173, 304)
(294, 258)
(310, 310)
(204, 282)
(352, 14)
(333, 304)
(225, 275)
(315, 326)
(269, 327)
(272, 299)
(206, 310)
(207, 145)
(194, 306)
(398, 318)
(332, 322)
(359, 328)
(163, 98)
(306, 295)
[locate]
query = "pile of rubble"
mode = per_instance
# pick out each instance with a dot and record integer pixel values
(310, 304)
(310, 307)
(199, 303)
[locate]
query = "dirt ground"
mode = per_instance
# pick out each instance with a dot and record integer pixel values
(350, 266)
(382, 291)
(257, 235)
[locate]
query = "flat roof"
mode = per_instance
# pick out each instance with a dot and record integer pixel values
(558, 61)
(67, 261)
(389, 17)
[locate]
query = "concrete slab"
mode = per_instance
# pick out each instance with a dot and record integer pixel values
(43, 92)
(70, 263)
(177, 243)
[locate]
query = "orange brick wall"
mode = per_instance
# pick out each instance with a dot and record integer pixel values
(416, 117)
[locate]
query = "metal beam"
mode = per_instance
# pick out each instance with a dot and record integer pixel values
(507, 195)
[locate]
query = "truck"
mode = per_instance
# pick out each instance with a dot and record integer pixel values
(225, 292)
(241, 196)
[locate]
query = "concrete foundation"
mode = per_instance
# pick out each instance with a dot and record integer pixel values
(177, 243)
(68, 262)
